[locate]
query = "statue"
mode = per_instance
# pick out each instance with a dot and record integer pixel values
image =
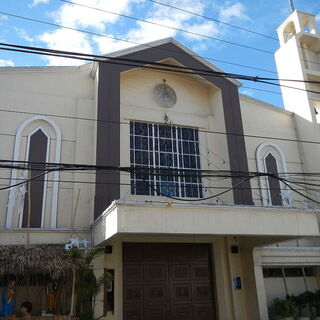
(20, 192)
(7, 297)
(53, 290)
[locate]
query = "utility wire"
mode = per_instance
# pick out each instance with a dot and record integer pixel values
(32, 165)
(211, 19)
(135, 184)
(141, 63)
(27, 180)
(125, 40)
(153, 65)
(170, 27)
(182, 30)
(298, 192)
(86, 167)
(128, 123)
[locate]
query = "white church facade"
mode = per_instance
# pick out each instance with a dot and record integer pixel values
(178, 245)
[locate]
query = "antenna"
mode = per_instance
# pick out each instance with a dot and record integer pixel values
(291, 5)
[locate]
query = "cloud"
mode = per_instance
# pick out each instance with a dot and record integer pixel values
(207, 28)
(79, 16)
(23, 34)
(161, 16)
(4, 18)
(246, 92)
(66, 40)
(6, 63)
(233, 11)
(36, 2)
(139, 32)
(108, 45)
(83, 18)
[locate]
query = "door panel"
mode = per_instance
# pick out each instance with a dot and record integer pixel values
(166, 281)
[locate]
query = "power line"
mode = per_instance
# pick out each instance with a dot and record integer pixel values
(211, 19)
(169, 27)
(159, 66)
(247, 176)
(64, 166)
(183, 30)
(128, 123)
(125, 40)
(130, 184)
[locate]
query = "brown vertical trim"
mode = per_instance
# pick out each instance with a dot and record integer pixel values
(108, 151)
(236, 144)
(108, 137)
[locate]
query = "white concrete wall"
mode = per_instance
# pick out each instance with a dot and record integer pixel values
(267, 122)
(62, 95)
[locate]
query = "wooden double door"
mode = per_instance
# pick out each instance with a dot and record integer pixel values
(167, 281)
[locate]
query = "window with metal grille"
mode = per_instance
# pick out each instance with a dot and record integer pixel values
(164, 147)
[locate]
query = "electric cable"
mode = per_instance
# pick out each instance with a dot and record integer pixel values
(225, 23)
(80, 167)
(119, 39)
(142, 63)
(211, 19)
(298, 192)
(169, 27)
(182, 30)
(126, 40)
(130, 184)
(128, 123)
(66, 54)
(26, 180)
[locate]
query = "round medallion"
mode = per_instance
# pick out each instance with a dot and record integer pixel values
(165, 95)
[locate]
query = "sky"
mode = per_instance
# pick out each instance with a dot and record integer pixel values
(109, 32)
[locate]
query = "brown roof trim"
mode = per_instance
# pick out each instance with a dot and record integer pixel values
(108, 132)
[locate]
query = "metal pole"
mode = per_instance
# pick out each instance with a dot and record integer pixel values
(29, 207)
(284, 280)
(291, 5)
(73, 292)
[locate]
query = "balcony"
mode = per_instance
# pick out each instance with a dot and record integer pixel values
(155, 218)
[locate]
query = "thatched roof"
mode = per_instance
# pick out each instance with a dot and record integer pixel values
(45, 259)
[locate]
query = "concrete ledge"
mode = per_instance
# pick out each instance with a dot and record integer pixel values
(41, 236)
(128, 217)
(289, 256)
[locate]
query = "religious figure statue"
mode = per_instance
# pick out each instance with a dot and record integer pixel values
(7, 298)
(53, 290)
(20, 192)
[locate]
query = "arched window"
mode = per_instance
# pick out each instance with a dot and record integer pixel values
(38, 140)
(271, 159)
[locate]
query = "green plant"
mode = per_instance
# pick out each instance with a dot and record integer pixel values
(87, 284)
(281, 308)
(314, 300)
(309, 297)
(300, 301)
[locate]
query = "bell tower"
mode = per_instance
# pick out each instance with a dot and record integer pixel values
(299, 58)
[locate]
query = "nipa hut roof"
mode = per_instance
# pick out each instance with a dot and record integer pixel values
(45, 259)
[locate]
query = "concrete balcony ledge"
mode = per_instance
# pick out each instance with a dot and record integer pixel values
(17, 236)
(290, 256)
(154, 218)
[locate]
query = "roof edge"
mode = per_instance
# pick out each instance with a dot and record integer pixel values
(159, 42)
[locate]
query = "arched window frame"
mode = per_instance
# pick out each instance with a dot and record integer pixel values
(261, 153)
(45, 180)
(56, 174)
(289, 31)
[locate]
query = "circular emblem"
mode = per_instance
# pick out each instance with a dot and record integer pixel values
(165, 95)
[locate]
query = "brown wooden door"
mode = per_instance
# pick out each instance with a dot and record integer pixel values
(164, 281)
